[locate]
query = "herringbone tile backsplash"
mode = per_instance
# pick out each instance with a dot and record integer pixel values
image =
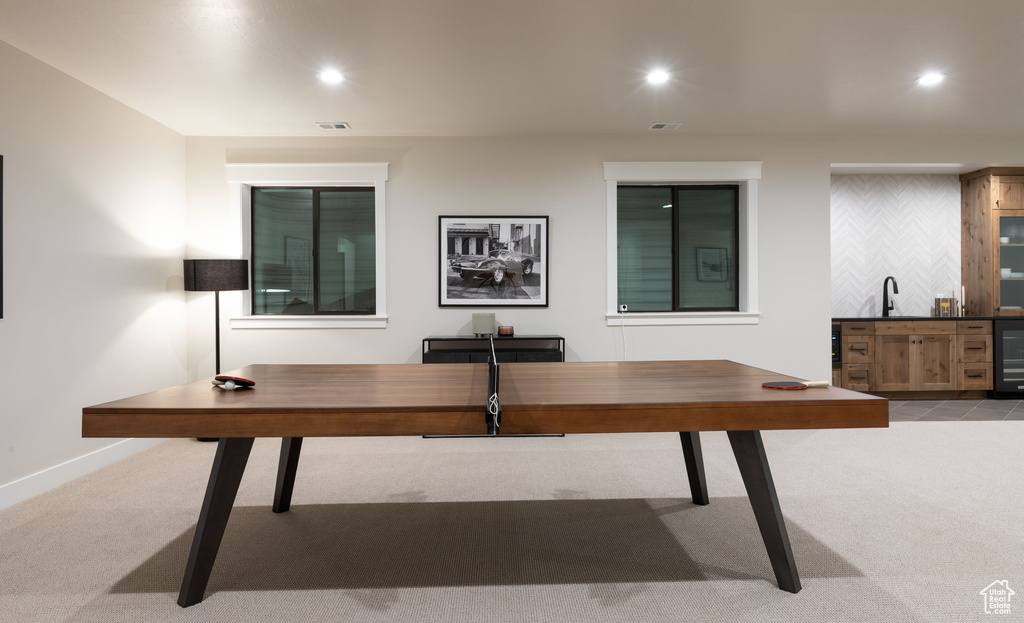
(907, 226)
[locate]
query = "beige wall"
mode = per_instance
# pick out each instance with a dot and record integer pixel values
(94, 198)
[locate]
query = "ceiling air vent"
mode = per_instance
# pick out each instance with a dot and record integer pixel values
(665, 126)
(333, 125)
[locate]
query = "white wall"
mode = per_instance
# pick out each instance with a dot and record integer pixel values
(94, 197)
(560, 177)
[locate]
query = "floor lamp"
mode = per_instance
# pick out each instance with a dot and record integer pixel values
(214, 276)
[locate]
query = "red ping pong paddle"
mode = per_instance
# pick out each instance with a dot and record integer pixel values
(232, 382)
(794, 384)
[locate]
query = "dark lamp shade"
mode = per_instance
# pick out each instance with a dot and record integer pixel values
(216, 275)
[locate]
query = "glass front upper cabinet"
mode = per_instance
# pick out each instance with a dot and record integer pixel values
(1011, 262)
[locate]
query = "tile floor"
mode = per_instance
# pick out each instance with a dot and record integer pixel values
(947, 410)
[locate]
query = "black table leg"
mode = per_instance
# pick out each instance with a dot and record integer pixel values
(694, 458)
(757, 478)
(286, 468)
(228, 466)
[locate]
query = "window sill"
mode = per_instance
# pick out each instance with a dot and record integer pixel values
(309, 322)
(633, 319)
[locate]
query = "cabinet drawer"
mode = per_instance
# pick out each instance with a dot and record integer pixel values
(974, 348)
(858, 349)
(854, 329)
(915, 327)
(857, 376)
(974, 327)
(975, 375)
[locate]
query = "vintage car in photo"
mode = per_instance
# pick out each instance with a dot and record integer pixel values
(493, 269)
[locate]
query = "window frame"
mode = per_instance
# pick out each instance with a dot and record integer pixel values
(743, 174)
(242, 177)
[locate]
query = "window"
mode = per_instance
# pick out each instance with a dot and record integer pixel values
(677, 248)
(341, 177)
(682, 242)
(313, 251)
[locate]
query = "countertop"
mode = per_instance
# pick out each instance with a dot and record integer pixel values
(884, 318)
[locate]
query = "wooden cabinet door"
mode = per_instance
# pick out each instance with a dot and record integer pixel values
(936, 362)
(1010, 193)
(858, 349)
(857, 376)
(893, 354)
(907, 363)
(974, 348)
(1008, 288)
(974, 376)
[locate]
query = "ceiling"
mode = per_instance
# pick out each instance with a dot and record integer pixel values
(541, 67)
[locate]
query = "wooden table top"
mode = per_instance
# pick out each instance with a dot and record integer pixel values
(292, 400)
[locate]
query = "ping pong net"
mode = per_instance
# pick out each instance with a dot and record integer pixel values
(493, 412)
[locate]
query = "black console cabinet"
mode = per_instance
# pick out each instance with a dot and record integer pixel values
(472, 349)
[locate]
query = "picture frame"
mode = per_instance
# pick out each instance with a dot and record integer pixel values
(712, 264)
(493, 261)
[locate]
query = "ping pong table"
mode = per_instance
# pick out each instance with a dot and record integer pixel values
(297, 401)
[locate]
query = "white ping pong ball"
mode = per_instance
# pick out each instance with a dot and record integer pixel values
(229, 384)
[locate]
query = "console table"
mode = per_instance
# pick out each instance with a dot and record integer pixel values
(473, 349)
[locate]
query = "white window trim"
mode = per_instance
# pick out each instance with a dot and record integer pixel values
(744, 174)
(242, 177)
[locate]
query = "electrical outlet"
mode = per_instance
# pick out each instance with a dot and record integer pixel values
(622, 309)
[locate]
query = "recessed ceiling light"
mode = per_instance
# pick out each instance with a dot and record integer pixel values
(931, 78)
(658, 76)
(331, 76)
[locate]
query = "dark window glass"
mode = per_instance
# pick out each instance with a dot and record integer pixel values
(313, 251)
(678, 248)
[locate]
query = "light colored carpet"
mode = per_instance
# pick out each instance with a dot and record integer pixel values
(908, 523)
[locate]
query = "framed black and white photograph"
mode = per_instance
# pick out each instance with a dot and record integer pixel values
(493, 261)
(712, 264)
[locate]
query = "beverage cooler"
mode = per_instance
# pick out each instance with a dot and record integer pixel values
(1008, 361)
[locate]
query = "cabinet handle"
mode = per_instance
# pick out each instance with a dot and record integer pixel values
(975, 348)
(857, 378)
(970, 327)
(856, 328)
(976, 376)
(859, 350)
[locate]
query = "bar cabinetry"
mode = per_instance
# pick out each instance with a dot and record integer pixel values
(918, 356)
(992, 241)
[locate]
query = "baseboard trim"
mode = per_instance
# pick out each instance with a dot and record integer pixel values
(52, 477)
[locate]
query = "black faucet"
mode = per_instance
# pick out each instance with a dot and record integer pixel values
(886, 303)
